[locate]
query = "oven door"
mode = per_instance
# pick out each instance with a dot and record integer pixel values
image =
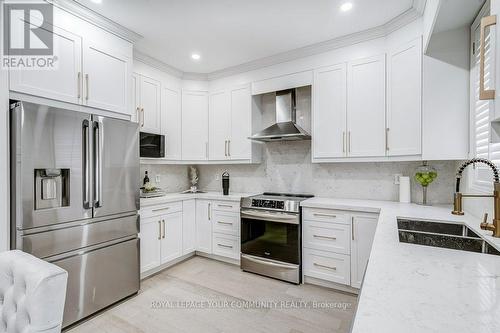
(271, 235)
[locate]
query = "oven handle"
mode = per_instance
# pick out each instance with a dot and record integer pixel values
(272, 217)
(268, 262)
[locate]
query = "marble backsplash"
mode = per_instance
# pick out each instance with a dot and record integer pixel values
(287, 167)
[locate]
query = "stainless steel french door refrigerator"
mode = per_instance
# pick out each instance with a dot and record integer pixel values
(74, 201)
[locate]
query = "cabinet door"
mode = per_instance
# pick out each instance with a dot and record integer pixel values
(171, 244)
(194, 125)
(188, 226)
(150, 243)
(64, 82)
(136, 99)
(171, 118)
(239, 146)
(363, 231)
(150, 105)
(404, 104)
(219, 120)
(329, 112)
(203, 226)
(366, 107)
(107, 76)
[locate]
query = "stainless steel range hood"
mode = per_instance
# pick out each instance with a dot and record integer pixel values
(285, 128)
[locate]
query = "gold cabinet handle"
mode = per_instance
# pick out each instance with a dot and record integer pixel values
(325, 215)
(228, 223)
(163, 229)
(343, 141)
(159, 230)
(229, 148)
(387, 139)
(352, 228)
(209, 212)
(483, 93)
(79, 81)
(142, 113)
(327, 267)
(87, 87)
(325, 237)
(226, 246)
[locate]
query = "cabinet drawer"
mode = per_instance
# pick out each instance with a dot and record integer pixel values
(171, 207)
(226, 223)
(332, 237)
(326, 215)
(327, 266)
(226, 246)
(227, 206)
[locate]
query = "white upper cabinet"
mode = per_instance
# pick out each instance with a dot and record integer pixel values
(171, 118)
(366, 107)
(194, 125)
(135, 100)
(149, 105)
(107, 73)
(219, 120)
(93, 67)
(63, 83)
(329, 112)
(239, 146)
(404, 100)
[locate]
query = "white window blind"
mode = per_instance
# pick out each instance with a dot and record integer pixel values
(482, 110)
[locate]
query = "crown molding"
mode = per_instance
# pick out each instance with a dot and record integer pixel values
(329, 45)
(419, 6)
(158, 64)
(83, 12)
(378, 32)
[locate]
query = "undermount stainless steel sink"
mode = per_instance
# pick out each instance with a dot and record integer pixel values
(442, 234)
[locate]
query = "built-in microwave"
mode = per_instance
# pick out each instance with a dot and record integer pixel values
(152, 145)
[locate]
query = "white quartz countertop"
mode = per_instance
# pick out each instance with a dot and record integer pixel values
(415, 288)
(172, 197)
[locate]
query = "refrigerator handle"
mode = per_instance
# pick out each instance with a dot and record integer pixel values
(98, 135)
(86, 163)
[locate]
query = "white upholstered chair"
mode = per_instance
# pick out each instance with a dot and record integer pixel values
(32, 294)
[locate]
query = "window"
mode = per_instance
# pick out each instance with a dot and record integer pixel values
(484, 140)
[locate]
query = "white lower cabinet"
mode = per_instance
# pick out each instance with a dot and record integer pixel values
(337, 244)
(226, 245)
(188, 226)
(150, 236)
(363, 232)
(171, 242)
(203, 226)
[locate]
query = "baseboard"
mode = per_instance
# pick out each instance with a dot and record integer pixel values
(166, 265)
(219, 258)
(331, 285)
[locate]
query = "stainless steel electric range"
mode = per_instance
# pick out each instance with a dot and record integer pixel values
(271, 235)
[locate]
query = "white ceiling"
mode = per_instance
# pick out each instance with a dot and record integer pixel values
(227, 33)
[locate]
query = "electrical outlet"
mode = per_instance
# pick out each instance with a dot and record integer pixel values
(396, 178)
(157, 179)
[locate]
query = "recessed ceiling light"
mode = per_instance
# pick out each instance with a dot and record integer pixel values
(97, 1)
(195, 56)
(346, 6)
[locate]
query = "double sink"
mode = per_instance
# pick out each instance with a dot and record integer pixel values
(442, 234)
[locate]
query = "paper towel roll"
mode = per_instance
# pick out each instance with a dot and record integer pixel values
(404, 190)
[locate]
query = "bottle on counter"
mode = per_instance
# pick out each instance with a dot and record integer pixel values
(146, 179)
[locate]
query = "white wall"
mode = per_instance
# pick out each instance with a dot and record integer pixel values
(446, 95)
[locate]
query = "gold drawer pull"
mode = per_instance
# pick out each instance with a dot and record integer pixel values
(325, 215)
(325, 237)
(228, 223)
(160, 209)
(226, 246)
(327, 267)
(227, 206)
